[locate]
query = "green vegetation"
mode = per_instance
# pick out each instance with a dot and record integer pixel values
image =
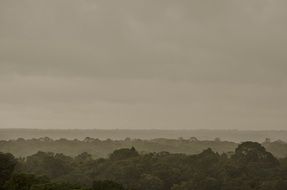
(102, 148)
(249, 167)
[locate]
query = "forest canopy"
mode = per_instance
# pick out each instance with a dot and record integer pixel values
(102, 148)
(249, 167)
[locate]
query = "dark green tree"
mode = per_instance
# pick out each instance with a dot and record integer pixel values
(252, 152)
(49, 164)
(124, 153)
(7, 165)
(24, 181)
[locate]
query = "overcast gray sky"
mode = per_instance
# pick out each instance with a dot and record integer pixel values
(165, 64)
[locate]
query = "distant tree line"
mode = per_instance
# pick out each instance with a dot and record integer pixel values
(102, 148)
(249, 167)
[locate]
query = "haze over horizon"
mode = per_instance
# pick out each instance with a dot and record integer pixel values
(134, 64)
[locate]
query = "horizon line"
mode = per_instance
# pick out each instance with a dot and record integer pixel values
(142, 129)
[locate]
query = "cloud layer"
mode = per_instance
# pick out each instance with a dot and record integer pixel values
(143, 64)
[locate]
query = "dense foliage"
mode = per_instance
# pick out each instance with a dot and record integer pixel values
(249, 167)
(102, 148)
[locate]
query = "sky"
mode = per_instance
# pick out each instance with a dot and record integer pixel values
(143, 64)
